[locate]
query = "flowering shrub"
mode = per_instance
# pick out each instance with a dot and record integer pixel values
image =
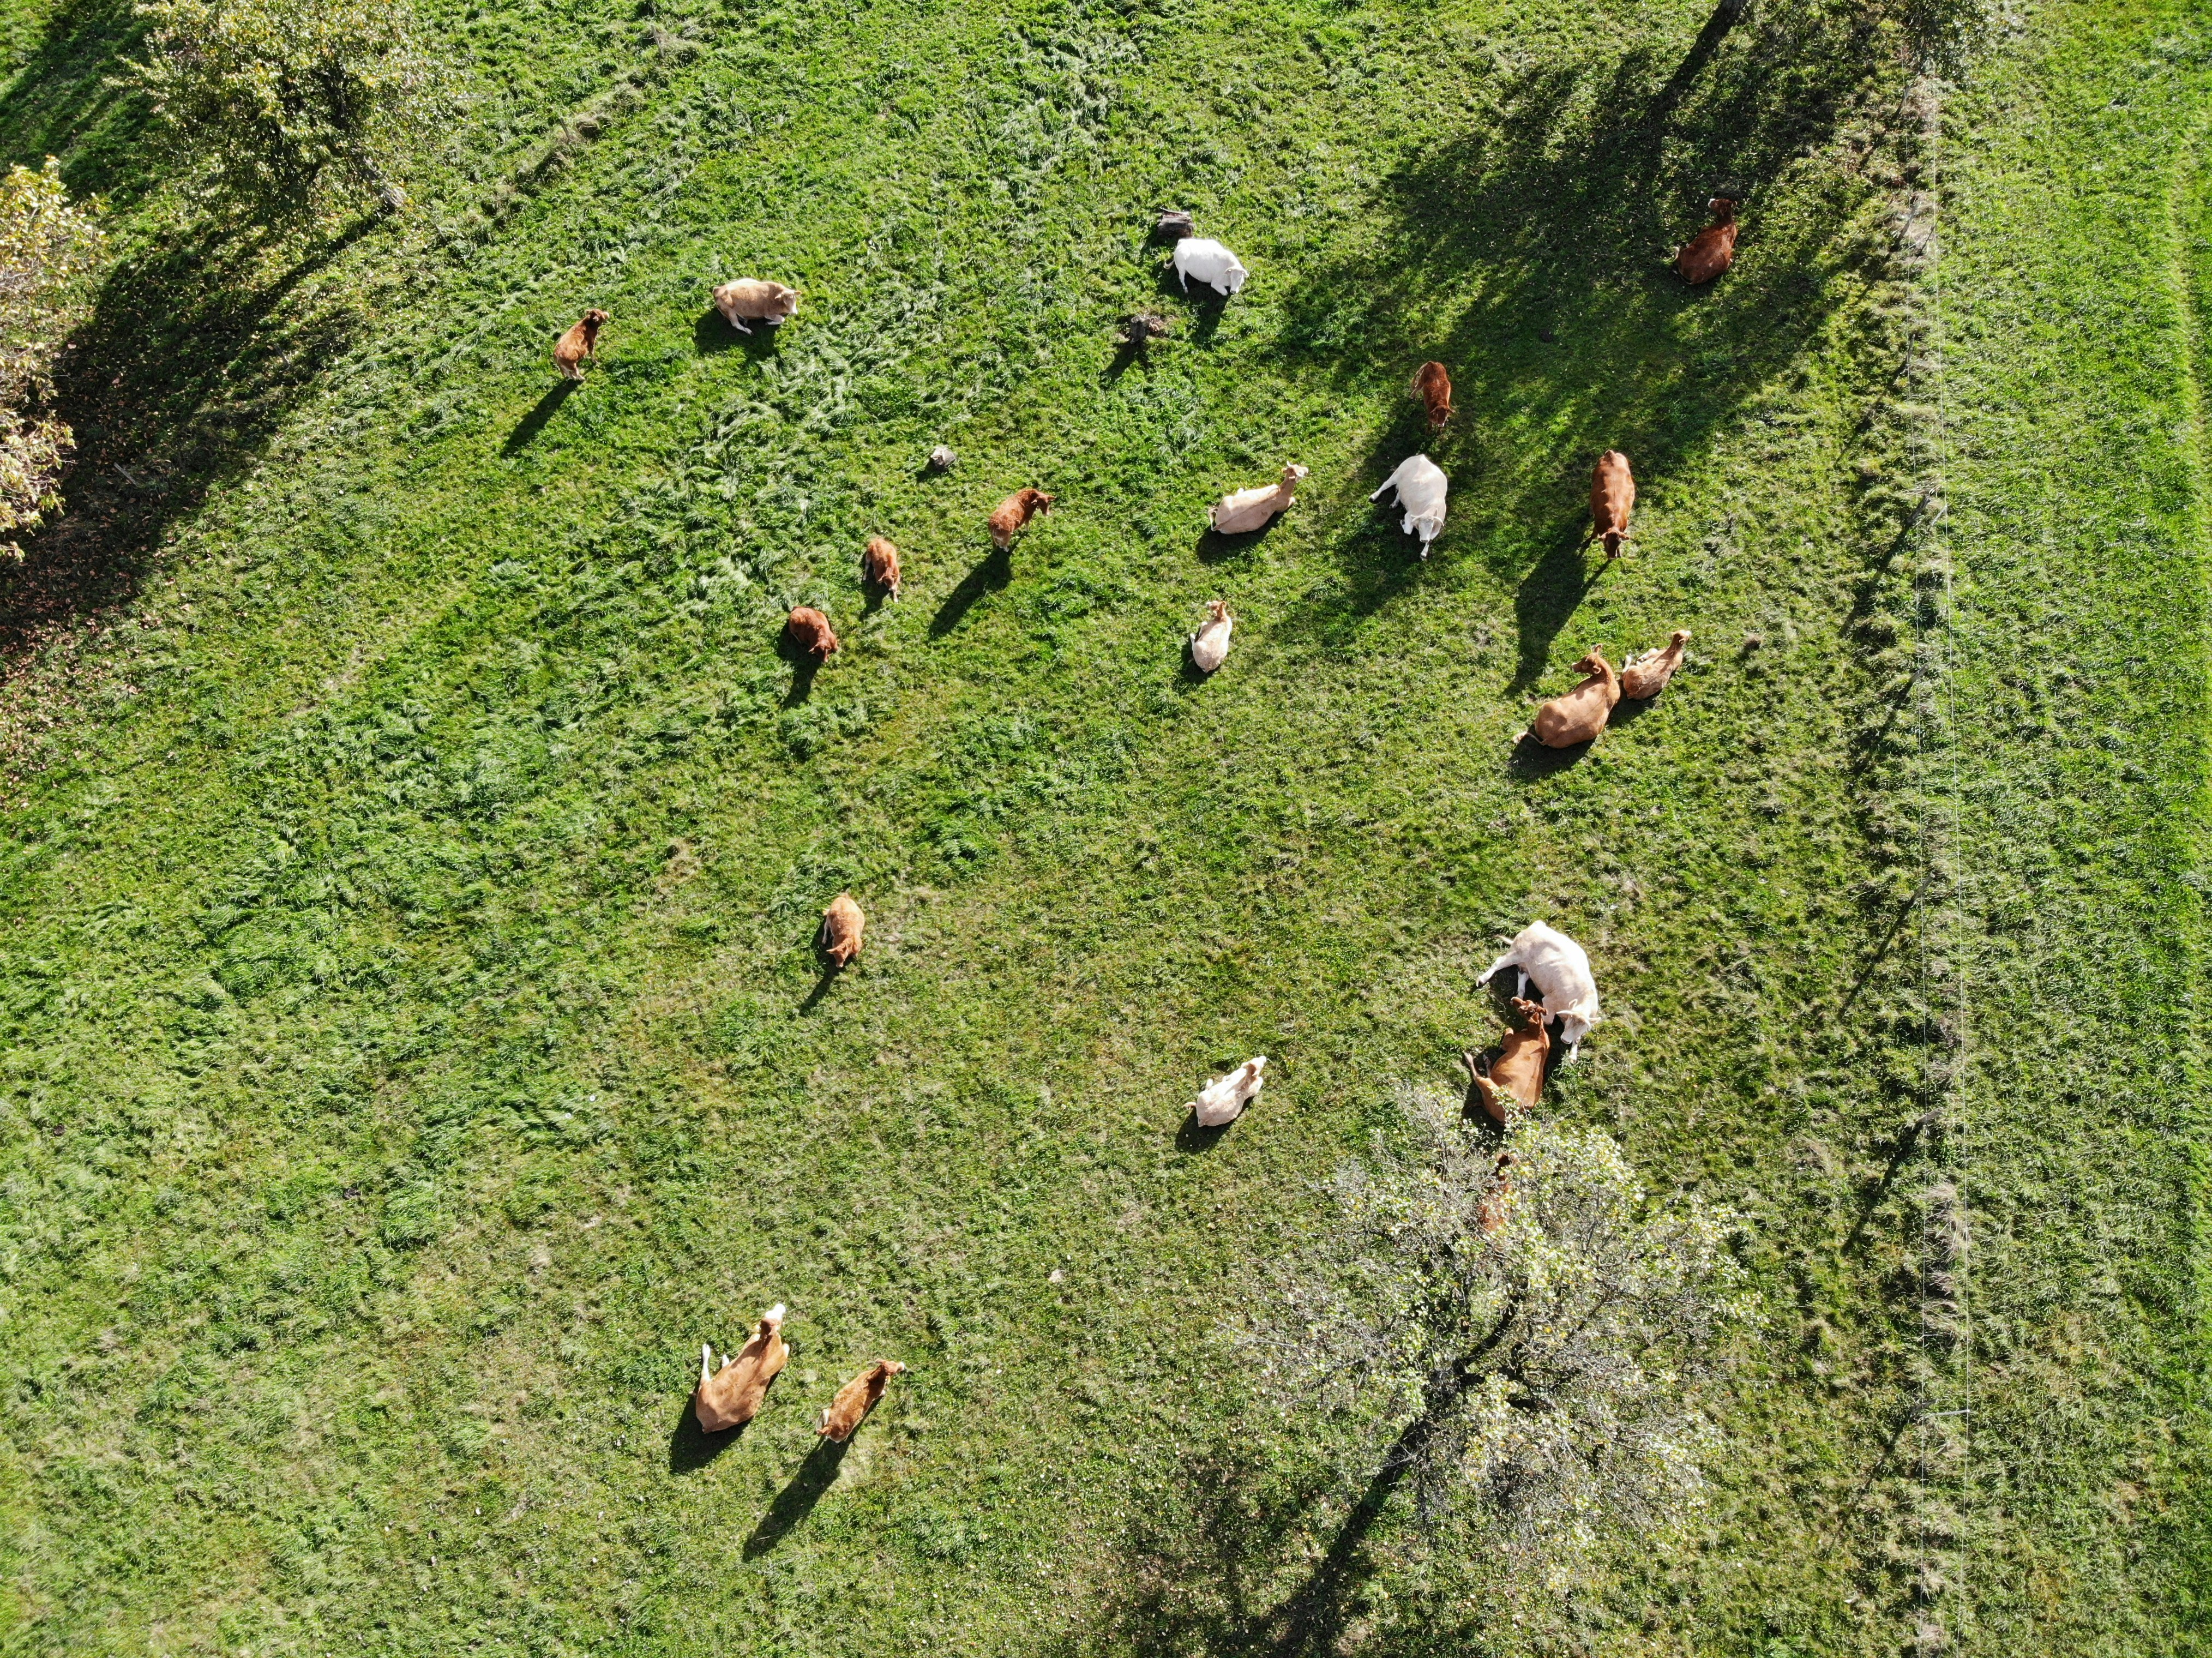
(47, 244)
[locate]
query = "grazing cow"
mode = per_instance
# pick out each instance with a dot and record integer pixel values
(758, 299)
(578, 343)
(1432, 386)
(1581, 715)
(731, 1396)
(1613, 498)
(1211, 262)
(1420, 486)
(1222, 1101)
(1713, 250)
(1643, 676)
(1490, 1212)
(879, 565)
(1209, 646)
(1517, 1072)
(1561, 970)
(856, 1399)
(809, 633)
(1014, 514)
(1249, 509)
(841, 926)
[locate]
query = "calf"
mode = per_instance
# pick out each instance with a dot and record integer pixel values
(758, 299)
(809, 633)
(843, 925)
(1582, 714)
(578, 343)
(1420, 487)
(1209, 646)
(1014, 514)
(1252, 509)
(1713, 250)
(1517, 1072)
(1613, 498)
(731, 1396)
(1643, 677)
(856, 1399)
(1222, 1101)
(1561, 970)
(1432, 386)
(879, 565)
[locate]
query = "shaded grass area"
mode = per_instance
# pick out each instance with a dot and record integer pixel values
(415, 1047)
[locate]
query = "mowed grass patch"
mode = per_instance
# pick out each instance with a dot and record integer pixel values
(416, 1048)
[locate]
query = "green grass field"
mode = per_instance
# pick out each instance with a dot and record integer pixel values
(413, 1046)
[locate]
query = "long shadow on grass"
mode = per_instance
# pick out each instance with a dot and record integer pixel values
(190, 358)
(66, 101)
(534, 422)
(989, 576)
(1555, 216)
(690, 1447)
(796, 1501)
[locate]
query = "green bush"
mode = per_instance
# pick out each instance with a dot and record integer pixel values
(48, 244)
(291, 110)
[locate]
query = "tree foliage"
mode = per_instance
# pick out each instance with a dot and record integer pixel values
(1530, 1327)
(48, 244)
(291, 110)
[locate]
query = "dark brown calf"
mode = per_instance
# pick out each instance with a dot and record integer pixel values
(578, 343)
(1713, 250)
(809, 633)
(879, 565)
(1432, 386)
(856, 1399)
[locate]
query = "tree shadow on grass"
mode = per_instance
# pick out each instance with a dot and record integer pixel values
(1556, 213)
(796, 1501)
(192, 354)
(66, 101)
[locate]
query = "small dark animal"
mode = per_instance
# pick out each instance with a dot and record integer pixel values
(1144, 327)
(1174, 224)
(1432, 386)
(941, 459)
(578, 343)
(1713, 250)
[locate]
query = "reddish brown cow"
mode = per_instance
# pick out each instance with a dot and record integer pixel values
(1432, 386)
(1642, 677)
(1581, 715)
(578, 343)
(1713, 250)
(841, 926)
(1014, 514)
(1613, 498)
(731, 1396)
(1517, 1072)
(879, 565)
(809, 633)
(856, 1399)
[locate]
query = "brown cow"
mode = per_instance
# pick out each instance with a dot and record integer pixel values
(1581, 715)
(879, 565)
(1713, 250)
(1014, 514)
(1518, 1070)
(731, 1396)
(1643, 677)
(855, 1399)
(578, 343)
(1613, 498)
(1432, 386)
(809, 633)
(841, 926)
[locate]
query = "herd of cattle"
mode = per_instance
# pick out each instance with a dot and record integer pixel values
(729, 1396)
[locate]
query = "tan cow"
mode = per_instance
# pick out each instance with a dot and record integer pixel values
(1643, 676)
(757, 299)
(1581, 715)
(1014, 514)
(731, 1396)
(879, 565)
(843, 925)
(856, 1399)
(1713, 250)
(1432, 386)
(1517, 1072)
(578, 343)
(809, 633)
(1613, 498)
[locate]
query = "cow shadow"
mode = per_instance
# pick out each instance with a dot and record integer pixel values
(990, 575)
(534, 422)
(796, 1501)
(711, 334)
(690, 1447)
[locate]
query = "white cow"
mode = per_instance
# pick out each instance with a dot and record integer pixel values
(1562, 971)
(1223, 1099)
(1209, 646)
(1421, 485)
(1211, 262)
